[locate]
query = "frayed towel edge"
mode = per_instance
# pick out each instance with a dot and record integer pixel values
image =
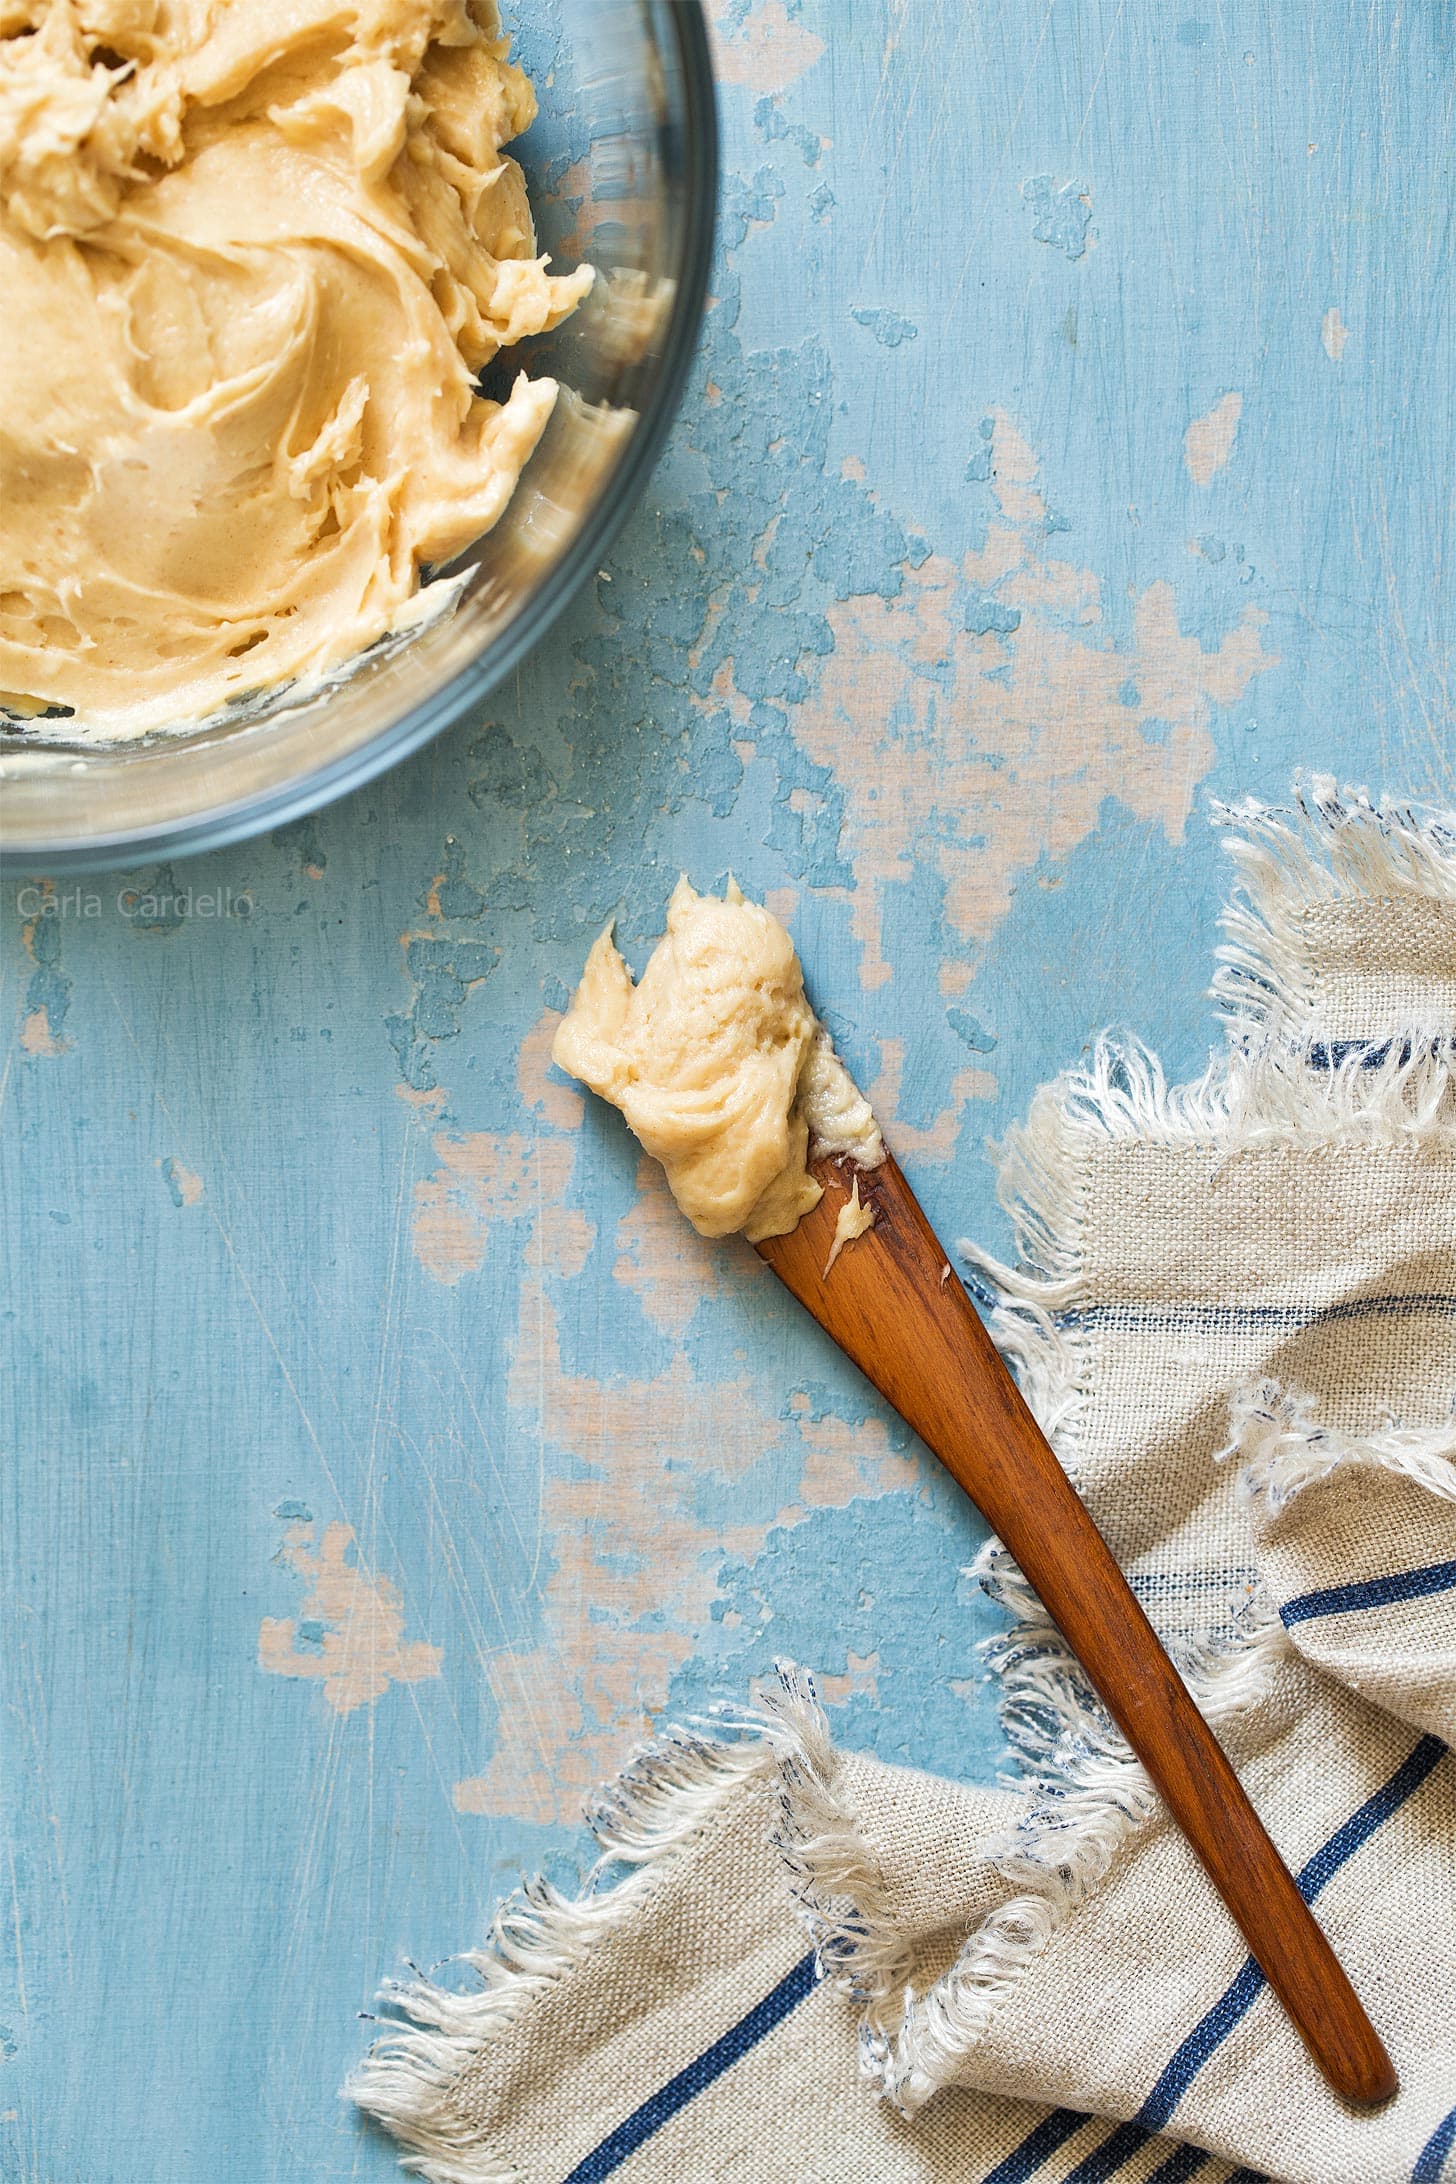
(657, 1807)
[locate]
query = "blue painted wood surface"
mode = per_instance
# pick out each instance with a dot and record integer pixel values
(1073, 437)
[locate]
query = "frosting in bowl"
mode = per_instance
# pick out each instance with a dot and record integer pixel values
(255, 253)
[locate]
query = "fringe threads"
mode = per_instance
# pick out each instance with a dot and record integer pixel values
(1332, 845)
(657, 1807)
(1282, 1448)
(1088, 1797)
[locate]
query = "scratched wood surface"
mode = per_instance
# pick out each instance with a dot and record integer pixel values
(1073, 438)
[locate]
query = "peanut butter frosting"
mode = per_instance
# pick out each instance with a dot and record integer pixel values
(254, 253)
(719, 1064)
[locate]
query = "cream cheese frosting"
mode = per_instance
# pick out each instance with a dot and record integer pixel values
(719, 1065)
(254, 253)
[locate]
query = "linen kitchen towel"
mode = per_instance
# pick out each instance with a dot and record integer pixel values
(1235, 1314)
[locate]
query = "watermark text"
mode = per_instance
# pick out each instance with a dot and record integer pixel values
(149, 905)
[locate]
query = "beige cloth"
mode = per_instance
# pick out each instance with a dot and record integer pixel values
(1236, 1314)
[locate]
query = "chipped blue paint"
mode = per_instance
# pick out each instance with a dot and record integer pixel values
(444, 974)
(1062, 213)
(774, 127)
(172, 1176)
(985, 613)
(888, 328)
(971, 1030)
(789, 1603)
(48, 989)
(207, 1869)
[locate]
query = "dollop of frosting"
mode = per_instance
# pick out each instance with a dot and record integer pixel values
(719, 1065)
(254, 253)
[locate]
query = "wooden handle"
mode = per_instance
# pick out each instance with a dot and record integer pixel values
(894, 1307)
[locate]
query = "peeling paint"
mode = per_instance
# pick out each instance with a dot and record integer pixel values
(1333, 334)
(971, 1031)
(668, 1267)
(995, 747)
(36, 1036)
(427, 1105)
(485, 1179)
(634, 1559)
(541, 1085)
(157, 904)
(48, 989)
(444, 973)
(349, 1634)
(1061, 213)
(1209, 441)
(860, 1680)
(452, 893)
(774, 127)
(671, 688)
(183, 1187)
(845, 1459)
(302, 840)
(935, 1140)
(871, 1592)
(888, 328)
(766, 47)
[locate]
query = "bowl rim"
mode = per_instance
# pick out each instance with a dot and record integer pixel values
(338, 777)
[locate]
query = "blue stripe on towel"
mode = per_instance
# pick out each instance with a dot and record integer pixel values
(1208, 2034)
(1230, 1318)
(1118, 2148)
(1227, 1318)
(1373, 1592)
(1105, 2160)
(1038, 2146)
(1433, 2154)
(1333, 1054)
(1182, 2163)
(637, 2128)
(1023, 2162)
(1240, 1995)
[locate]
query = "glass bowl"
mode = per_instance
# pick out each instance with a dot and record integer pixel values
(622, 169)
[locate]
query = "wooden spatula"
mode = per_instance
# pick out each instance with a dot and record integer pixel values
(893, 1306)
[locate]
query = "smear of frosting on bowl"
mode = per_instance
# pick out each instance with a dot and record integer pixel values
(719, 1064)
(254, 254)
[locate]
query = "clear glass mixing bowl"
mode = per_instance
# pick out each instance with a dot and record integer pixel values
(622, 168)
